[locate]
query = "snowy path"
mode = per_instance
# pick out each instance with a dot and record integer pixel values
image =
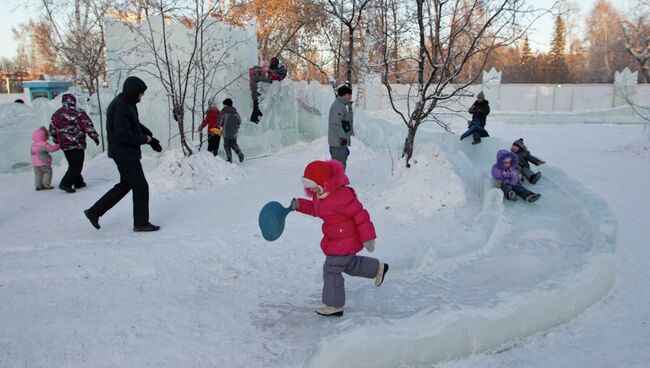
(208, 291)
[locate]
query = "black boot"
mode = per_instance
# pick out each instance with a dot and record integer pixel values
(535, 178)
(67, 189)
(146, 228)
(533, 197)
(94, 220)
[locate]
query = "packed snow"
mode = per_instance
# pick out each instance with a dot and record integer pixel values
(469, 273)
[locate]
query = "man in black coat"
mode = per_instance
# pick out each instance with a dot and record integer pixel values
(479, 110)
(125, 135)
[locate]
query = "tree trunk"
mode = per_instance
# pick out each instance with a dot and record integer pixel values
(348, 75)
(101, 114)
(409, 143)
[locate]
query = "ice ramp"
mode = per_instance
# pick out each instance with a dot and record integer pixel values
(538, 266)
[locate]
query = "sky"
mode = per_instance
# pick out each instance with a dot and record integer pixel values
(13, 13)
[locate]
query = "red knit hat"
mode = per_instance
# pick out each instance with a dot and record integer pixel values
(317, 172)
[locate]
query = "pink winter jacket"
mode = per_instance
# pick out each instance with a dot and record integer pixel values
(41, 149)
(346, 224)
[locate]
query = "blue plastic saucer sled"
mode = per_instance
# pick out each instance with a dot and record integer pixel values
(271, 220)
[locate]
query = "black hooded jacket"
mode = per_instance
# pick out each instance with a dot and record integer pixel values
(480, 111)
(124, 131)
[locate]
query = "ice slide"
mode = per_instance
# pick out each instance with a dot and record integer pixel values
(478, 278)
(533, 267)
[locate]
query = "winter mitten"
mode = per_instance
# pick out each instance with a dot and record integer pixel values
(497, 183)
(344, 142)
(96, 141)
(155, 144)
(294, 204)
(542, 162)
(369, 245)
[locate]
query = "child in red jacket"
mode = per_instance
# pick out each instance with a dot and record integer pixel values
(346, 230)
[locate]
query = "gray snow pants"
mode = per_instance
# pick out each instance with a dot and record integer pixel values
(340, 154)
(333, 282)
(42, 177)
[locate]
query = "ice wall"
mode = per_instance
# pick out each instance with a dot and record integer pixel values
(231, 52)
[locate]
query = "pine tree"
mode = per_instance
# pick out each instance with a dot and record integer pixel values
(558, 71)
(526, 53)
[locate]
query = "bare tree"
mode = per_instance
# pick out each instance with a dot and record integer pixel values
(350, 14)
(451, 34)
(186, 73)
(77, 37)
(636, 32)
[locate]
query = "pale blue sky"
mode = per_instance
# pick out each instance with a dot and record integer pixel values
(14, 12)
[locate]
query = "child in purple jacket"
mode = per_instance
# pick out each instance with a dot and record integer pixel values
(508, 178)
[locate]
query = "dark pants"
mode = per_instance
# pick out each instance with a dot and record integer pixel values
(231, 144)
(131, 178)
(255, 115)
(519, 189)
(72, 177)
(340, 154)
(527, 173)
(213, 143)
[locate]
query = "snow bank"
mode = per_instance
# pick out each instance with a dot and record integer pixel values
(201, 171)
(428, 187)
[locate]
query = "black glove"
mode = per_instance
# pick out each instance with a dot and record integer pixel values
(96, 141)
(155, 144)
(344, 142)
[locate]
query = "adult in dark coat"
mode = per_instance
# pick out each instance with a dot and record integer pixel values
(525, 158)
(125, 135)
(479, 110)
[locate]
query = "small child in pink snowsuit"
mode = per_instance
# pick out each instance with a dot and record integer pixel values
(346, 230)
(41, 159)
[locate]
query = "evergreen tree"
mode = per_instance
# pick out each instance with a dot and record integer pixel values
(558, 71)
(526, 53)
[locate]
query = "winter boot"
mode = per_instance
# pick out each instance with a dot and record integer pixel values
(39, 188)
(79, 186)
(67, 189)
(512, 195)
(533, 197)
(535, 178)
(240, 154)
(146, 228)
(49, 187)
(381, 273)
(476, 142)
(328, 311)
(94, 220)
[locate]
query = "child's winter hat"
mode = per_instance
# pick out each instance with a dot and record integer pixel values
(316, 174)
(519, 143)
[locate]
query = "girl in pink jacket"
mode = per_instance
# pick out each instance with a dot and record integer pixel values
(41, 159)
(346, 230)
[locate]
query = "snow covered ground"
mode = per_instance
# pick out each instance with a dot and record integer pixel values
(469, 273)
(611, 160)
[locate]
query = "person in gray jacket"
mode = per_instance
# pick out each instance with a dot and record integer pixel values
(229, 121)
(341, 128)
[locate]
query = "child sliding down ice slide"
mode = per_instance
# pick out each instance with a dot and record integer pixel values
(346, 230)
(525, 158)
(507, 177)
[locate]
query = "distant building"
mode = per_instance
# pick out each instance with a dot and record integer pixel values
(47, 89)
